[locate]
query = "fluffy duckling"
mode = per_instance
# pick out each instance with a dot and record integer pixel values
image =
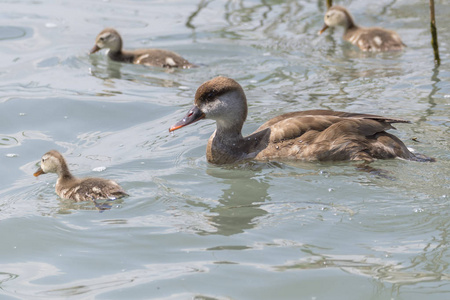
(304, 135)
(70, 187)
(110, 39)
(372, 39)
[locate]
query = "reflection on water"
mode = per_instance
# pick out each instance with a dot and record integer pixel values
(239, 206)
(99, 66)
(107, 70)
(37, 272)
(376, 268)
(68, 207)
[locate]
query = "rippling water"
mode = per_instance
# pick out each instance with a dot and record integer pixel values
(191, 230)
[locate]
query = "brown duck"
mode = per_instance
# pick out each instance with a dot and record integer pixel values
(110, 39)
(304, 135)
(373, 39)
(70, 187)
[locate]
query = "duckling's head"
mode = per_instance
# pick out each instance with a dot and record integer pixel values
(109, 38)
(51, 162)
(221, 99)
(337, 16)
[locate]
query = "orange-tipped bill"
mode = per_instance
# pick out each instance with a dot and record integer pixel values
(325, 27)
(38, 172)
(192, 116)
(94, 49)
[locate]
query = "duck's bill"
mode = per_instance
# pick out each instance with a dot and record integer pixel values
(94, 49)
(38, 172)
(192, 116)
(325, 27)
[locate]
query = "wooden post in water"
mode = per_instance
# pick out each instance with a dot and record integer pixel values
(434, 38)
(330, 3)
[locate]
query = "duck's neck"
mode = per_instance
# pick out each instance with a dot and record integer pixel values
(64, 173)
(350, 32)
(228, 136)
(350, 26)
(225, 145)
(122, 56)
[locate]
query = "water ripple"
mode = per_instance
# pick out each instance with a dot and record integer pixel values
(12, 32)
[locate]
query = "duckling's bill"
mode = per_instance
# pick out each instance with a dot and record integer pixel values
(38, 172)
(192, 116)
(325, 27)
(94, 49)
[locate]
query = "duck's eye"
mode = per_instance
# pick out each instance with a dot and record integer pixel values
(211, 96)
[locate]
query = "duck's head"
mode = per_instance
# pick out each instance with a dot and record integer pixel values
(51, 162)
(221, 99)
(336, 16)
(109, 38)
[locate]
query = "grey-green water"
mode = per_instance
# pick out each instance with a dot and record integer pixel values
(191, 230)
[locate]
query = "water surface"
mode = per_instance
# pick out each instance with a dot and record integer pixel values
(192, 230)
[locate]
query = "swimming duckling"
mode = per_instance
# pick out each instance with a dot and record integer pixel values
(373, 39)
(110, 39)
(321, 135)
(70, 187)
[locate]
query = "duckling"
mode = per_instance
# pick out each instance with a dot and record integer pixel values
(372, 39)
(70, 187)
(312, 135)
(109, 38)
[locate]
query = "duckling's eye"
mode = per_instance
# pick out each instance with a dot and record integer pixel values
(104, 37)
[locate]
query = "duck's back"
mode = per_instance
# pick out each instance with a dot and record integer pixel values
(329, 135)
(89, 189)
(374, 39)
(159, 58)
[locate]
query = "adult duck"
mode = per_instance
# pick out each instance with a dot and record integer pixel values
(373, 39)
(73, 188)
(110, 39)
(321, 135)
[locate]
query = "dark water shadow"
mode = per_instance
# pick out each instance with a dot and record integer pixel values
(240, 202)
(104, 71)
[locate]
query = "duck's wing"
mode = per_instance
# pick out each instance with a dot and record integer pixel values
(379, 39)
(160, 58)
(92, 189)
(293, 125)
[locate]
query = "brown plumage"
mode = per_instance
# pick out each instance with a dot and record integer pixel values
(70, 187)
(372, 39)
(305, 135)
(109, 38)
